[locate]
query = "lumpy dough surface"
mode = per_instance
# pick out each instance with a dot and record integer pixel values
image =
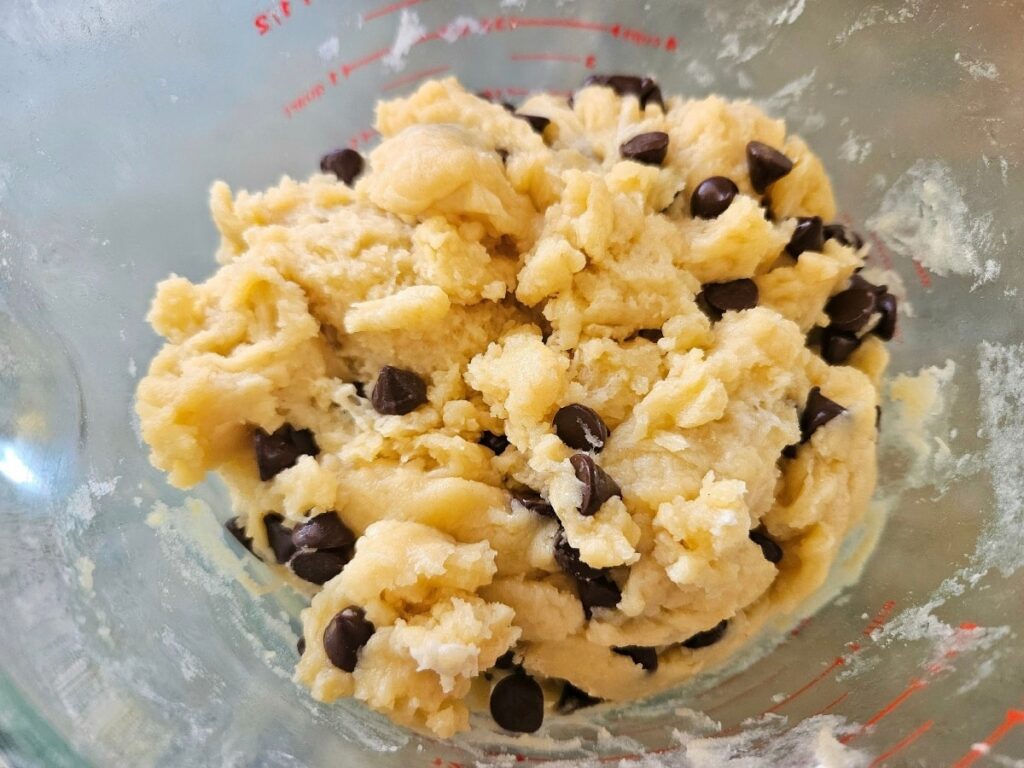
(515, 273)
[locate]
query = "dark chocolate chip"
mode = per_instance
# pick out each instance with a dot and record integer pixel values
(398, 391)
(769, 547)
(712, 196)
(346, 634)
(789, 452)
(765, 165)
(279, 536)
(598, 486)
(360, 388)
(851, 309)
(837, 346)
(645, 656)
(324, 531)
(769, 212)
(496, 443)
(517, 703)
(280, 450)
(844, 235)
(507, 660)
(346, 164)
(503, 154)
(601, 592)
(886, 327)
(651, 334)
(647, 148)
(644, 88)
(856, 281)
(238, 532)
(733, 295)
(818, 412)
(580, 427)
(536, 122)
(534, 502)
(806, 237)
(300, 646)
(573, 698)
(707, 637)
(568, 559)
(318, 566)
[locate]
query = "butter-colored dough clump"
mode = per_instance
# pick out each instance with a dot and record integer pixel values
(513, 287)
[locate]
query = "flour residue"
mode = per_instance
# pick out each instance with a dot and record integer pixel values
(855, 149)
(460, 27)
(976, 68)
(410, 31)
(877, 14)
(923, 216)
(791, 12)
(1001, 378)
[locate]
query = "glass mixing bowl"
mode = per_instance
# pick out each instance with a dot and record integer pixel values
(135, 634)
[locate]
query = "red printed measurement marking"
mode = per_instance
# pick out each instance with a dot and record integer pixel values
(903, 743)
(838, 662)
(587, 61)
(1014, 717)
(922, 274)
(915, 686)
(423, 73)
(879, 619)
(276, 15)
(831, 705)
(297, 105)
(363, 137)
(388, 9)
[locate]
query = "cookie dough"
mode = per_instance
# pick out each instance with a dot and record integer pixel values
(591, 406)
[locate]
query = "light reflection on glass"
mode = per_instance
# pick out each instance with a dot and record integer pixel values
(14, 469)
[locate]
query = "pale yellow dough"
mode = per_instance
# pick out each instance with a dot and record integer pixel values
(442, 259)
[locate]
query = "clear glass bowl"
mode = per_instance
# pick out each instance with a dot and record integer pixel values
(135, 634)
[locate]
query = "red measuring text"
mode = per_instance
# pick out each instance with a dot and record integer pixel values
(277, 15)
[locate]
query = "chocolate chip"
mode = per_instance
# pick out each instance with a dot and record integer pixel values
(707, 637)
(536, 122)
(644, 88)
(300, 646)
(647, 148)
(712, 196)
(279, 536)
(324, 531)
(360, 388)
(503, 154)
(598, 486)
(398, 391)
(580, 427)
(346, 164)
(573, 698)
(766, 205)
(517, 703)
(806, 237)
(651, 334)
(851, 309)
(233, 527)
(844, 235)
(534, 502)
(818, 412)
(507, 660)
(856, 281)
(280, 450)
(601, 592)
(568, 559)
(318, 566)
(837, 346)
(769, 547)
(765, 165)
(346, 634)
(733, 295)
(496, 443)
(645, 656)
(886, 327)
